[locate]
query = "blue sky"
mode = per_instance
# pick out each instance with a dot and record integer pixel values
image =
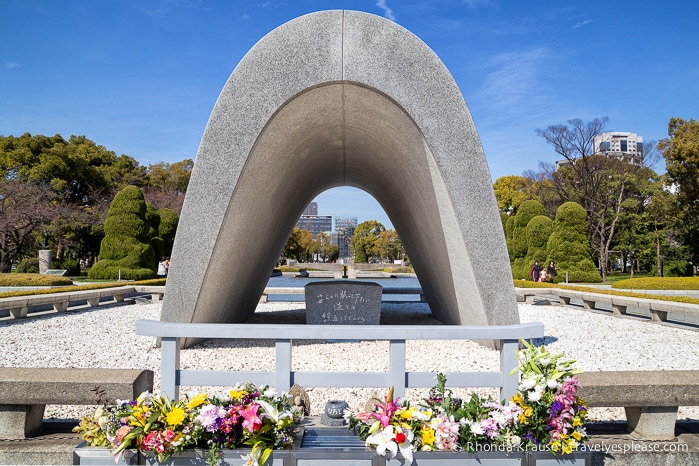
(141, 77)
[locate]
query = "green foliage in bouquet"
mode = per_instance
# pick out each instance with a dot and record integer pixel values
(249, 416)
(545, 414)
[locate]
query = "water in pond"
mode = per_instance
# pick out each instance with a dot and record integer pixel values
(299, 282)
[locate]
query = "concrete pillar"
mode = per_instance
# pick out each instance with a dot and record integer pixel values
(44, 260)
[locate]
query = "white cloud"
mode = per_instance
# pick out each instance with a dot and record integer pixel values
(514, 81)
(11, 64)
(387, 11)
(582, 23)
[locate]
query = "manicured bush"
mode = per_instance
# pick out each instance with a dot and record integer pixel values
(126, 251)
(167, 228)
(28, 266)
(70, 265)
(569, 245)
(517, 245)
(538, 232)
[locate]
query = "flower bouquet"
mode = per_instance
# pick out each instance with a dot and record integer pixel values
(158, 427)
(545, 414)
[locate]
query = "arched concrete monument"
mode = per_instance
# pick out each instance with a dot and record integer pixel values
(330, 99)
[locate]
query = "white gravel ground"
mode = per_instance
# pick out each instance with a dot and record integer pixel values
(105, 338)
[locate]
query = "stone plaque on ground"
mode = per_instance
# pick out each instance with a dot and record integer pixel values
(343, 302)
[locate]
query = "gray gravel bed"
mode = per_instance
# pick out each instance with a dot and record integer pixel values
(104, 337)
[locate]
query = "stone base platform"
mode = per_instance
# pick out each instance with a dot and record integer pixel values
(610, 443)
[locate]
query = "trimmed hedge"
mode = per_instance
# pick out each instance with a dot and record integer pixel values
(658, 283)
(70, 289)
(32, 279)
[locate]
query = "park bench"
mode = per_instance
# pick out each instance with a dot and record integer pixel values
(25, 392)
(19, 305)
(156, 292)
(172, 334)
(650, 398)
(658, 309)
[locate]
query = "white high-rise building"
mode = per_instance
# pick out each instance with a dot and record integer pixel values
(620, 145)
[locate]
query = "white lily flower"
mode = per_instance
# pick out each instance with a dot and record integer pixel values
(383, 442)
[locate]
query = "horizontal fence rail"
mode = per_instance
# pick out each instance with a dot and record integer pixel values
(283, 377)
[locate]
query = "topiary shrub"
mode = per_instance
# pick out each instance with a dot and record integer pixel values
(538, 232)
(28, 266)
(126, 251)
(569, 245)
(167, 228)
(518, 246)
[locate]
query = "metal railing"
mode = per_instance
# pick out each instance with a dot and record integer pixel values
(283, 377)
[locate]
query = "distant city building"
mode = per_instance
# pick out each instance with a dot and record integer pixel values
(342, 237)
(620, 145)
(312, 209)
(316, 224)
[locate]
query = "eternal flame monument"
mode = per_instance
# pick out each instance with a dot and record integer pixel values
(340, 98)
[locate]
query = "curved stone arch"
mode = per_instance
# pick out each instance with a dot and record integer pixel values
(339, 98)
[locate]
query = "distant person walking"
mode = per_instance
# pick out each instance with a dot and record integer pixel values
(535, 271)
(551, 272)
(163, 267)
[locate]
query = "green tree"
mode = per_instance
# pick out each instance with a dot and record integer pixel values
(569, 245)
(511, 191)
(298, 246)
(364, 240)
(126, 249)
(388, 246)
(681, 153)
(76, 169)
(602, 185)
(26, 211)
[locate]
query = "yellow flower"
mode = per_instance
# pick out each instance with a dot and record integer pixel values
(527, 412)
(517, 399)
(577, 421)
(140, 413)
(175, 416)
(238, 394)
(427, 435)
(406, 413)
(576, 435)
(197, 400)
(568, 446)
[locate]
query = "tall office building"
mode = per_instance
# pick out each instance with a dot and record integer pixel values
(344, 229)
(311, 221)
(312, 209)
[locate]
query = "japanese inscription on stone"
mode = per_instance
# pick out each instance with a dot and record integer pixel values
(343, 302)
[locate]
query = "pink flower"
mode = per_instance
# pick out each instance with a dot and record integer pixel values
(252, 421)
(121, 433)
(169, 435)
(151, 441)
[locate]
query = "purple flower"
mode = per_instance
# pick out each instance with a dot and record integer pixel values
(208, 416)
(555, 408)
